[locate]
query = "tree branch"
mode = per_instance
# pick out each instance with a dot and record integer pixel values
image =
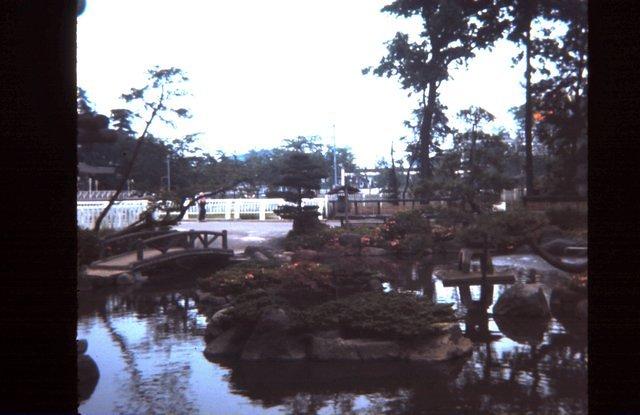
(129, 168)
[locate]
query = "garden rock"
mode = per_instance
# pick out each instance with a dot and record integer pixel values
(270, 340)
(283, 258)
(221, 317)
(522, 300)
(211, 332)
(524, 330)
(82, 346)
(449, 345)
(88, 373)
(305, 255)
(326, 348)
(227, 344)
(271, 345)
(272, 319)
(350, 240)
(253, 250)
(260, 257)
(211, 300)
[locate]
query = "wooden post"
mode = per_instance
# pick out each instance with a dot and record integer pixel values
(355, 205)
(465, 295)
(346, 205)
(262, 209)
(139, 249)
(483, 269)
(224, 239)
(379, 210)
(227, 209)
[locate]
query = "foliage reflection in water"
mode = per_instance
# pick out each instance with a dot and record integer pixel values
(148, 346)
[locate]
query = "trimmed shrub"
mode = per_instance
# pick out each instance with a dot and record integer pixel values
(504, 230)
(398, 316)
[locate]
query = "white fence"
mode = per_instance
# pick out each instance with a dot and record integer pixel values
(260, 209)
(125, 212)
(121, 214)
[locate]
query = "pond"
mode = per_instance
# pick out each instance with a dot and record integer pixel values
(148, 343)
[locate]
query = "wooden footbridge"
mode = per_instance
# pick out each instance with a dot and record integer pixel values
(141, 250)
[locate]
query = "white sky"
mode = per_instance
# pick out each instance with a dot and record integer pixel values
(262, 71)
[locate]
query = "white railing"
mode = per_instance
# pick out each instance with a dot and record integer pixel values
(86, 195)
(125, 212)
(260, 209)
(121, 214)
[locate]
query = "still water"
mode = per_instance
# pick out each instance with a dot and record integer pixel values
(148, 346)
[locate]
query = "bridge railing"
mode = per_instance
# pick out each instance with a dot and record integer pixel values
(119, 244)
(186, 240)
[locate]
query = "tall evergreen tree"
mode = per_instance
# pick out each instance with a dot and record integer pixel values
(561, 99)
(452, 30)
(522, 13)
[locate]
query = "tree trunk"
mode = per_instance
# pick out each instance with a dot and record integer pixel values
(426, 137)
(528, 116)
(129, 168)
(406, 183)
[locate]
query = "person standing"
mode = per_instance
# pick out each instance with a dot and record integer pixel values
(202, 202)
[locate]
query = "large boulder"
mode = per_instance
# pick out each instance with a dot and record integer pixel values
(221, 317)
(449, 344)
(525, 330)
(522, 300)
(272, 319)
(82, 345)
(282, 258)
(210, 303)
(88, 373)
(260, 257)
(211, 332)
(228, 344)
(305, 255)
(350, 240)
(270, 339)
(253, 251)
(274, 346)
(337, 348)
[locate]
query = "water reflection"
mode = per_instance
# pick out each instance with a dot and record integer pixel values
(148, 346)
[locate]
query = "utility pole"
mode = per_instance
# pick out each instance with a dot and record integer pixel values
(168, 172)
(335, 163)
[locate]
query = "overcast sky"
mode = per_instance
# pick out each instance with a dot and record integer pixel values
(262, 71)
